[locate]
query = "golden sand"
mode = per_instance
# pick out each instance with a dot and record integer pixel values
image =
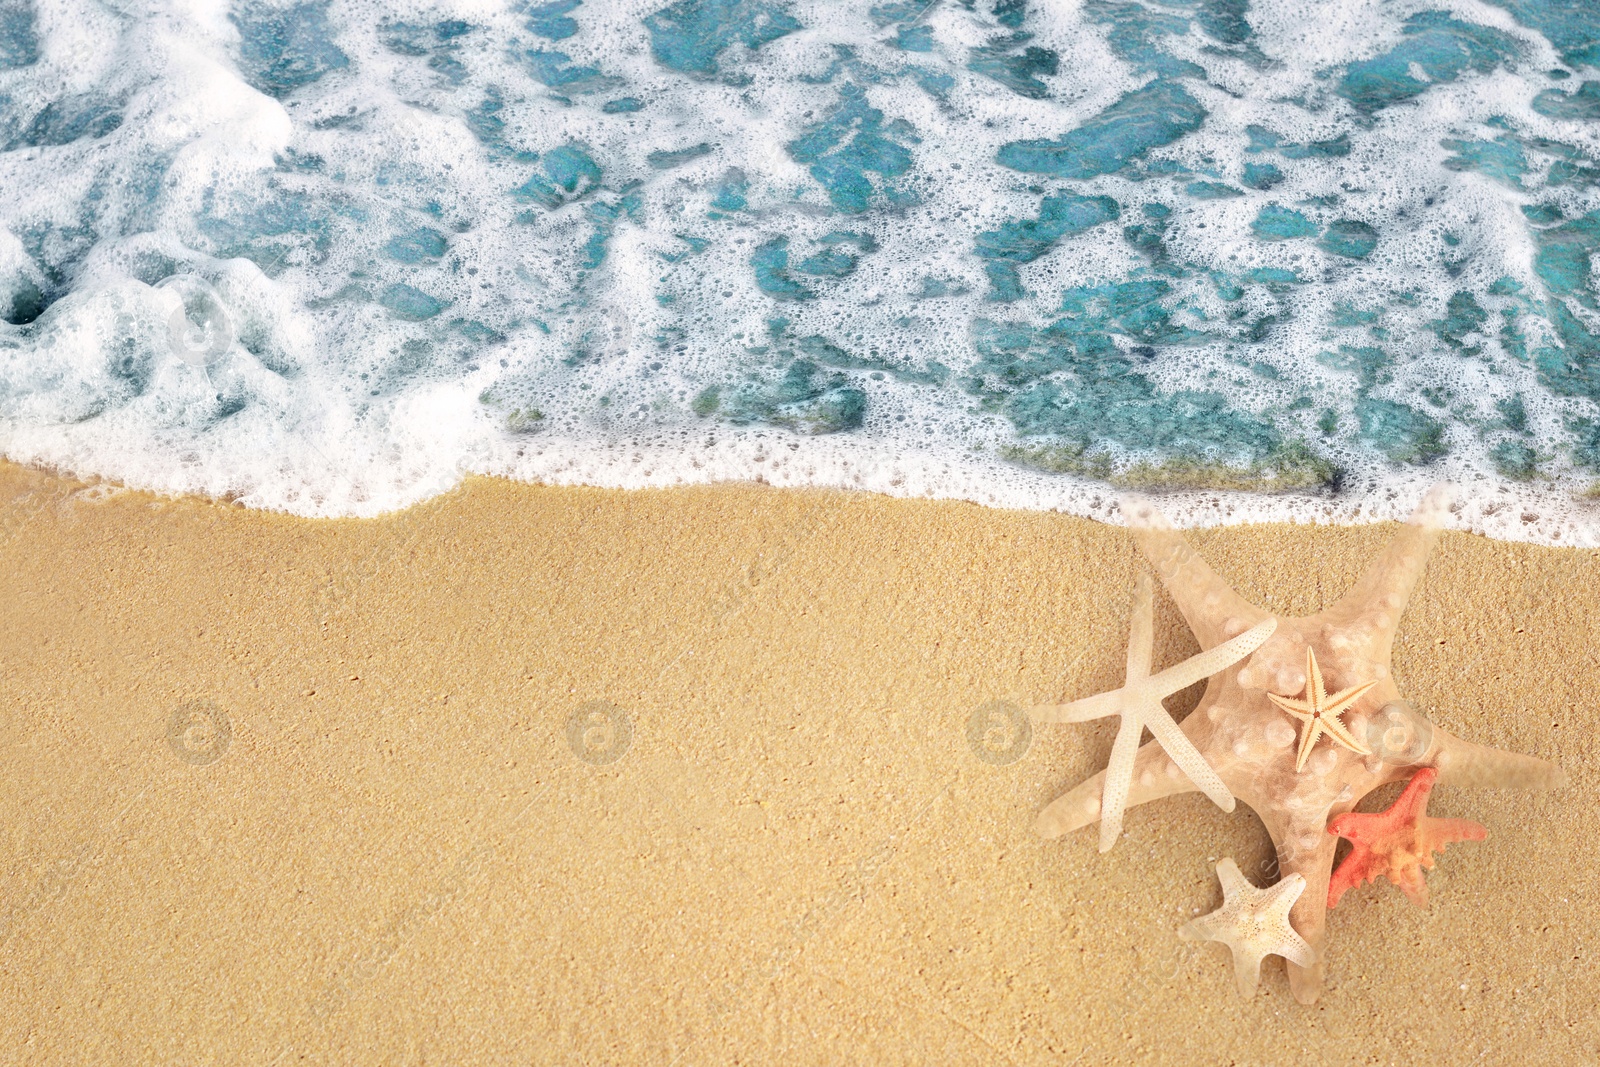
(538, 775)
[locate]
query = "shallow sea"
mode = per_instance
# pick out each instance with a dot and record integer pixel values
(1278, 260)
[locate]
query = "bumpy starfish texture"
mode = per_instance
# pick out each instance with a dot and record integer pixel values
(1251, 745)
(1398, 842)
(1320, 712)
(1139, 704)
(1254, 924)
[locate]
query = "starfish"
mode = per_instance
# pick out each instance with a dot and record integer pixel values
(1250, 745)
(1398, 842)
(1254, 924)
(1139, 704)
(1320, 712)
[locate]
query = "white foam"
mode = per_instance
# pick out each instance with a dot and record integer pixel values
(333, 403)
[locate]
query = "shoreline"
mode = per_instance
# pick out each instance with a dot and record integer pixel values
(687, 775)
(1555, 513)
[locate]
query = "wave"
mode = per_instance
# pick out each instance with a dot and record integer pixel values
(1284, 261)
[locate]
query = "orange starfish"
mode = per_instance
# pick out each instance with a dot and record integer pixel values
(1398, 842)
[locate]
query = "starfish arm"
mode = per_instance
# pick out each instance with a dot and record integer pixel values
(1204, 599)
(1197, 668)
(1200, 929)
(1298, 952)
(1081, 806)
(1308, 740)
(1141, 629)
(1246, 959)
(1363, 829)
(1462, 763)
(1437, 833)
(1119, 780)
(1412, 884)
(1298, 708)
(1354, 871)
(1381, 594)
(1177, 745)
(1232, 878)
(1192, 670)
(1341, 733)
(1290, 945)
(1339, 702)
(1096, 707)
(1309, 915)
(1216, 927)
(1315, 693)
(1247, 970)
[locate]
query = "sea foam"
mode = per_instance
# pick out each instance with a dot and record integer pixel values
(1288, 260)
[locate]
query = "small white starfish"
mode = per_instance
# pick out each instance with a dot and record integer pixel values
(1254, 924)
(1139, 704)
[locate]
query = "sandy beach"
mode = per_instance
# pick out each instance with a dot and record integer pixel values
(563, 775)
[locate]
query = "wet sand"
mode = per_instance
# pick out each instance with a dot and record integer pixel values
(693, 776)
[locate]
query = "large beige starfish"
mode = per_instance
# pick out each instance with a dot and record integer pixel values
(1254, 924)
(1139, 704)
(1320, 712)
(1250, 745)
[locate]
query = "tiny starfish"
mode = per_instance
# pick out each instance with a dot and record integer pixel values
(1320, 712)
(1246, 740)
(1398, 842)
(1139, 704)
(1254, 924)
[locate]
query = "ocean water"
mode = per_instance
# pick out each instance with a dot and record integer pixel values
(1276, 260)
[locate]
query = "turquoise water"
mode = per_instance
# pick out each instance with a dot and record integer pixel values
(1279, 259)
